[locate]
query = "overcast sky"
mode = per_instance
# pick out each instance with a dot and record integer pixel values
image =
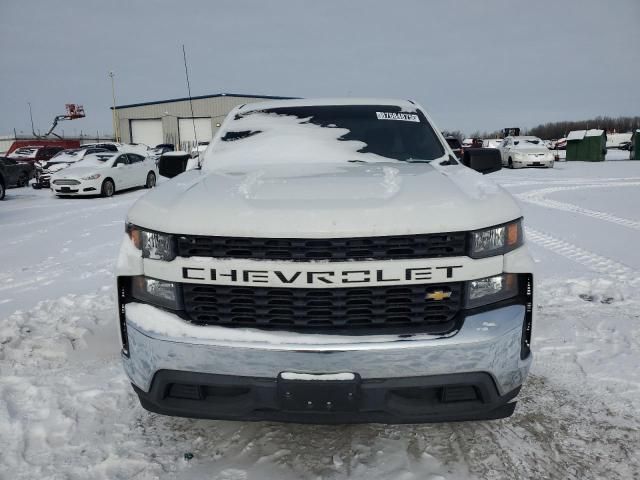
(472, 64)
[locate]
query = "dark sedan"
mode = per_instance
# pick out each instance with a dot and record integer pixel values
(17, 173)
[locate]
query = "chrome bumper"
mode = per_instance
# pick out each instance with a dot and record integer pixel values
(487, 342)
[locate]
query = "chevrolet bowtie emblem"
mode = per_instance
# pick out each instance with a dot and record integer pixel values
(438, 295)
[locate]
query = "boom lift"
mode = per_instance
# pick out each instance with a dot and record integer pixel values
(73, 112)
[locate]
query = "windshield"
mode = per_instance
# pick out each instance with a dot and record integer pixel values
(24, 152)
(66, 154)
(356, 133)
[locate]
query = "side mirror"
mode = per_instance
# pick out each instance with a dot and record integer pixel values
(118, 165)
(483, 160)
(172, 165)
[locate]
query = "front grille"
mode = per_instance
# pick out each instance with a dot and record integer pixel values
(332, 249)
(66, 182)
(330, 310)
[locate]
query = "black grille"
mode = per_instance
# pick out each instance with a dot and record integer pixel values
(325, 309)
(335, 249)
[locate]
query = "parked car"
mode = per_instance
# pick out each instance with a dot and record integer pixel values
(305, 274)
(139, 148)
(164, 148)
(17, 174)
(60, 161)
(525, 151)
(161, 149)
(109, 146)
(455, 146)
(105, 173)
(559, 144)
(34, 154)
(492, 142)
(3, 185)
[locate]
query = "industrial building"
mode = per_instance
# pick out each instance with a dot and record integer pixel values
(171, 121)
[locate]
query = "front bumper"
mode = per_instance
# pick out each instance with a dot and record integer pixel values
(42, 180)
(485, 355)
(438, 398)
(532, 162)
(85, 187)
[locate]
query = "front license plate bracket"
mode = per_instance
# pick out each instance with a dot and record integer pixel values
(319, 395)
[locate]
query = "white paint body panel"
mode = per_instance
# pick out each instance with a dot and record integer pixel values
(325, 201)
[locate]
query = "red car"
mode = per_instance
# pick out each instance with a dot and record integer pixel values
(32, 154)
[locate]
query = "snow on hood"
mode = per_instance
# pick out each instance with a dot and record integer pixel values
(56, 167)
(84, 167)
(325, 200)
(65, 158)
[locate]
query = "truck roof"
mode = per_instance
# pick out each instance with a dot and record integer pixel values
(310, 102)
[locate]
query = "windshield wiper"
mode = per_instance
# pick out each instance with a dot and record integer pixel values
(416, 160)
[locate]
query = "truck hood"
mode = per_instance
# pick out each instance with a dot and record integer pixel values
(325, 200)
(75, 171)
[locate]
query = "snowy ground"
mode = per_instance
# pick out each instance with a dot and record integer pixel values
(67, 411)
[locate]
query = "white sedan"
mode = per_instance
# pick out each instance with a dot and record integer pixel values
(104, 174)
(519, 152)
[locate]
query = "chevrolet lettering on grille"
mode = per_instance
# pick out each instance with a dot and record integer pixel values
(324, 277)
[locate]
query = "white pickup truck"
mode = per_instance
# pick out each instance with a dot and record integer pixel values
(330, 262)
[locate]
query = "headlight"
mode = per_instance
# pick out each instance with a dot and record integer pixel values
(154, 245)
(496, 240)
(491, 289)
(518, 156)
(157, 292)
(91, 177)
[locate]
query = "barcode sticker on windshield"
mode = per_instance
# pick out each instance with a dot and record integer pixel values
(406, 117)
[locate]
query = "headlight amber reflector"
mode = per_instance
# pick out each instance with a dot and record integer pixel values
(154, 245)
(496, 240)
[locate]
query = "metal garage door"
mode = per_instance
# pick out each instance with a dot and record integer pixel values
(203, 130)
(148, 132)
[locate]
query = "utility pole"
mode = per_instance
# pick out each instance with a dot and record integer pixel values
(114, 116)
(31, 117)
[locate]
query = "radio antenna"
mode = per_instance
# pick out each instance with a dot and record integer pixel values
(193, 120)
(33, 131)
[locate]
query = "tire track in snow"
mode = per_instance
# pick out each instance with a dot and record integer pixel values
(525, 182)
(101, 206)
(538, 197)
(591, 260)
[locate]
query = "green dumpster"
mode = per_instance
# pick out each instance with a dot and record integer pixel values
(635, 146)
(587, 145)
